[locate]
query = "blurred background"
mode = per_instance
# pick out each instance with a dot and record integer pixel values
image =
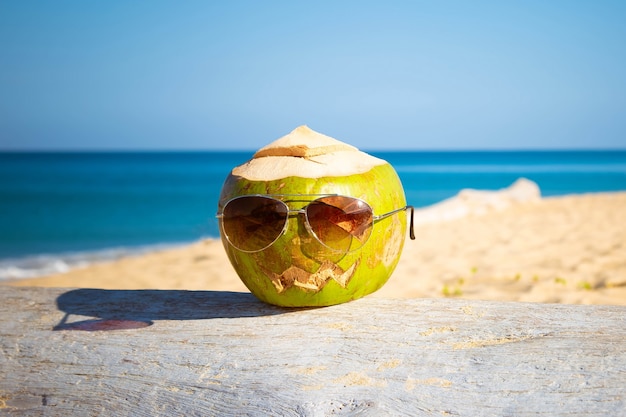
(119, 120)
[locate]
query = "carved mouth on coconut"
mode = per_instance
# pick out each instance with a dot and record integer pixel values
(298, 277)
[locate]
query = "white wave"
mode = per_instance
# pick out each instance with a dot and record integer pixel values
(34, 266)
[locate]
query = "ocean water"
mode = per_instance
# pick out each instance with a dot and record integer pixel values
(58, 210)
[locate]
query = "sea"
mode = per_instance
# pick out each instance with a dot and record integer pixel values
(60, 210)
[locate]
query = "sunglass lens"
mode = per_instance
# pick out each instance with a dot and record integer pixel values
(253, 223)
(337, 221)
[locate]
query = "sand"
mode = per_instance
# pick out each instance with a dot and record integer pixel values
(568, 249)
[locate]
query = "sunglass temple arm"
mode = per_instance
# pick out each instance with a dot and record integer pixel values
(411, 230)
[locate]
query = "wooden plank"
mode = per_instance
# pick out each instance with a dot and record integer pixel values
(148, 352)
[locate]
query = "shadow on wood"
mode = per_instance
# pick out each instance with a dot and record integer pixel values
(132, 309)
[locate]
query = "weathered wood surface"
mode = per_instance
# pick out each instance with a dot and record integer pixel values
(144, 353)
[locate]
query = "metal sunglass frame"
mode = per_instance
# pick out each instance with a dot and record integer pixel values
(290, 212)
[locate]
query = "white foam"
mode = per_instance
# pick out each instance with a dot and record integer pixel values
(47, 264)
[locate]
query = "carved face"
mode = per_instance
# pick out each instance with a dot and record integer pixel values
(296, 269)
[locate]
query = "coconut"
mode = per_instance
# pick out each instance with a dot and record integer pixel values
(297, 270)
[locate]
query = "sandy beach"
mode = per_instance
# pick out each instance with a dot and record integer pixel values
(568, 249)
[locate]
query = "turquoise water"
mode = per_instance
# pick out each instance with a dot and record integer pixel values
(52, 203)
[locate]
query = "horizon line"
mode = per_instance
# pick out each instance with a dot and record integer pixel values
(220, 150)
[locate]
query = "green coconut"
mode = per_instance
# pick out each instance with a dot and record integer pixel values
(297, 271)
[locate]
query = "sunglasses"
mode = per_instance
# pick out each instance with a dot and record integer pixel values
(252, 223)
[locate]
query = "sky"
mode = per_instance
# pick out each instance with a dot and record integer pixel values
(236, 75)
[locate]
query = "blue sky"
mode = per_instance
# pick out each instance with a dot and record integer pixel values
(379, 75)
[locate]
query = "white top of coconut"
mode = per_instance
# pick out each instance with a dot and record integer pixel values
(308, 154)
(304, 143)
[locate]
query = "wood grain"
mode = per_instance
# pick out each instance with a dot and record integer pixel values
(169, 352)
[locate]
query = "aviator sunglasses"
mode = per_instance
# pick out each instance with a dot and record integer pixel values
(252, 223)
